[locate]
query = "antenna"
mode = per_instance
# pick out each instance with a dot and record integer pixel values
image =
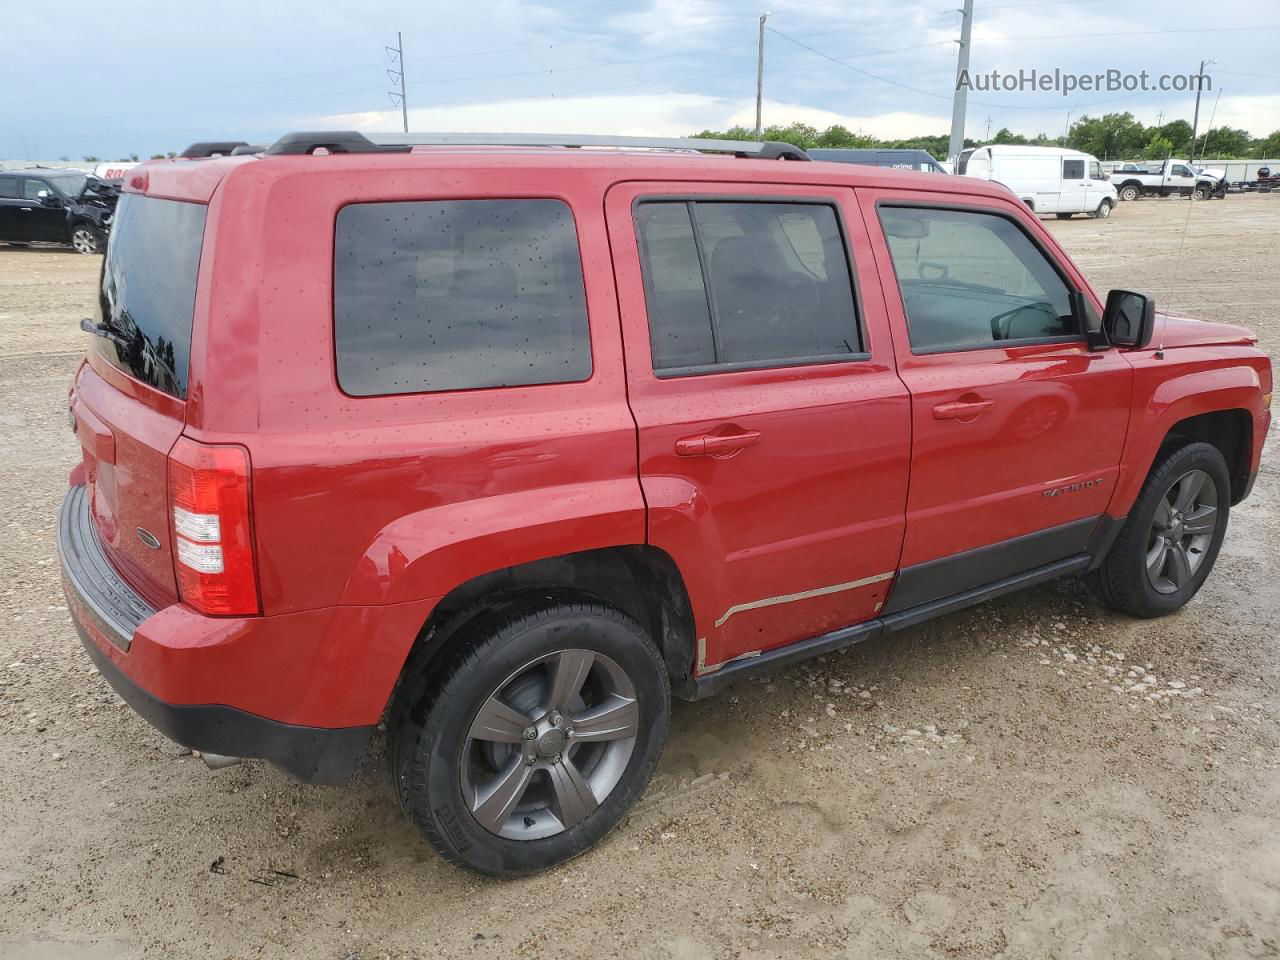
(396, 55)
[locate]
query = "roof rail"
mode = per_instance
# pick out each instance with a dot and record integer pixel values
(350, 141)
(212, 148)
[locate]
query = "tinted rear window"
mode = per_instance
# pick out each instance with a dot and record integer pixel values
(148, 293)
(458, 294)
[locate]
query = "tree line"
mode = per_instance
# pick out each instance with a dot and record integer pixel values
(1113, 136)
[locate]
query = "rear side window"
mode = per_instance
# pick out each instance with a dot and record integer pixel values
(9, 188)
(147, 298)
(458, 294)
(972, 280)
(745, 284)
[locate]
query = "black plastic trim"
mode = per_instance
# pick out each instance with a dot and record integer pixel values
(310, 754)
(927, 582)
(935, 608)
(1103, 536)
(1098, 535)
(335, 141)
(211, 148)
(712, 683)
(116, 608)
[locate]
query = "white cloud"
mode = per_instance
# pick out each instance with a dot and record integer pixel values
(1259, 114)
(658, 115)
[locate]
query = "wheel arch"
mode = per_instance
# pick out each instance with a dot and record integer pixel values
(640, 580)
(1231, 431)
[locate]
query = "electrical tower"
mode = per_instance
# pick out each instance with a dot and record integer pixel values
(396, 54)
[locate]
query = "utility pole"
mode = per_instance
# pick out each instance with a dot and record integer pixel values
(760, 75)
(1209, 128)
(988, 135)
(1195, 121)
(962, 93)
(396, 54)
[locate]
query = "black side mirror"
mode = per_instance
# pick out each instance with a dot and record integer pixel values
(1129, 319)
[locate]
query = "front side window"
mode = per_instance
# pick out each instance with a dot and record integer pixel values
(971, 280)
(745, 283)
(1072, 169)
(32, 189)
(435, 295)
(1095, 170)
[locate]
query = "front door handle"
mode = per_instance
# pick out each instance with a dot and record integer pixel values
(715, 445)
(962, 409)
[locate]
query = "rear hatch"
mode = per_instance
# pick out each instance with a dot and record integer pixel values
(129, 401)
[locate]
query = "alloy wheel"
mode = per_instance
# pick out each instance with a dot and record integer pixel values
(549, 745)
(1181, 531)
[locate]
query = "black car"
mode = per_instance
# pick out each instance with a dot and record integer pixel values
(56, 206)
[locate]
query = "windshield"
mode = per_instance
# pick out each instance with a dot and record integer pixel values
(70, 187)
(147, 300)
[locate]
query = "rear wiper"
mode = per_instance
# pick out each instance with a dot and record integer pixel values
(108, 331)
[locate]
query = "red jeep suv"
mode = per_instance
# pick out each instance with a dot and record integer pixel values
(507, 440)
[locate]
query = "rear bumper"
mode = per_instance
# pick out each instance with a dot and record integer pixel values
(309, 754)
(184, 673)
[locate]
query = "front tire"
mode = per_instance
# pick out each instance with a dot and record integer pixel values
(538, 738)
(1103, 211)
(1201, 192)
(87, 239)
(1173, 534)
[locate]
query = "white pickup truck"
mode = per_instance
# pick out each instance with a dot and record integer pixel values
(1168, 178)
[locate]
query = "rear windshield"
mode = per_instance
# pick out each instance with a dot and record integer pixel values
(147, 300)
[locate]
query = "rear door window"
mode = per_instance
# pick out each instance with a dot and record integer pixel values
(9, 188)
(1072, 169)
(439, 295)
(147, 299)
(745, 284)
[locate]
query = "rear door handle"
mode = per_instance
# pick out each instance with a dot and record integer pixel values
(713, 445)
(962, 409)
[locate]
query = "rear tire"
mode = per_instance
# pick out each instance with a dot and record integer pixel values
(1172, 537)
(485, 794)
(1129, 193)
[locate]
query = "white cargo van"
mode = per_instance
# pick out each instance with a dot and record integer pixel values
(1046, 179)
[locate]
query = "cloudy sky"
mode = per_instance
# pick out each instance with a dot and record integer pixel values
(91, 78)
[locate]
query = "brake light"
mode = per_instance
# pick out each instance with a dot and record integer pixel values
(209, 504)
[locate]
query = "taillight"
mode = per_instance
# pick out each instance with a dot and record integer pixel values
(213, 545)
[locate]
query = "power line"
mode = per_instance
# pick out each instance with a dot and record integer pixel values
(551, 71)
(930, 93)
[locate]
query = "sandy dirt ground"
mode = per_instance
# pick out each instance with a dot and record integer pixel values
(1036, 777)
